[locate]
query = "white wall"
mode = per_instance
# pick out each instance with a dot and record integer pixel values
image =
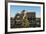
(2, 17)
(2, 23)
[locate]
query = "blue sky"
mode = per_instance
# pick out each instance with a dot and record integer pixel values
(15, 9)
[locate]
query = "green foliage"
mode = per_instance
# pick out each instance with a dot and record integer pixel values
(26, 22)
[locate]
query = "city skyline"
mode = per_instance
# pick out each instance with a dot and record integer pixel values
(14, 9)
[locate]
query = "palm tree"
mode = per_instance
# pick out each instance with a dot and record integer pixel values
(25, 20)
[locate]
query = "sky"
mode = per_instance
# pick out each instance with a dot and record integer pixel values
(14, 9)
